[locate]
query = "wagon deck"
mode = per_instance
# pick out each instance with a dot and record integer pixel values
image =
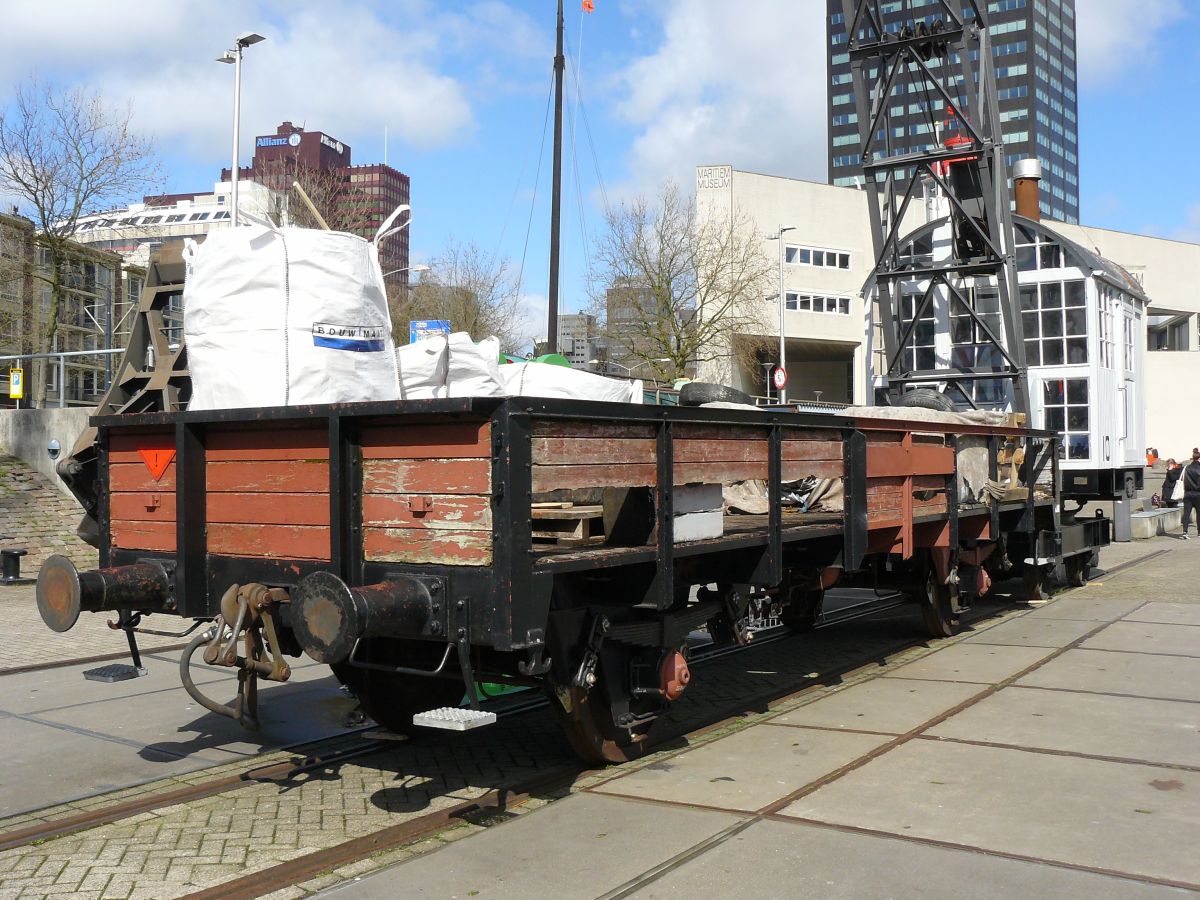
(396, 540)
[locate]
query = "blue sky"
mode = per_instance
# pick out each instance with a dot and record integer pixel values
(462, 85)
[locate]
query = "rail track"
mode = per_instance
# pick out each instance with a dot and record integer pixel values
(358, 746)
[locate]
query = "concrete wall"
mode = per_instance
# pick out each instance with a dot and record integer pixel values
(1172, 422)
(24, 433)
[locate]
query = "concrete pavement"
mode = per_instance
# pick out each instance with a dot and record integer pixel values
(1055, 753)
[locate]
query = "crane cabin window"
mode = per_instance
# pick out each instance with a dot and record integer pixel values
(1065, 410)
(1054, 318)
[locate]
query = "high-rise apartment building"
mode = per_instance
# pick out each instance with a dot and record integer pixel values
(1033, 50)
(356, 198)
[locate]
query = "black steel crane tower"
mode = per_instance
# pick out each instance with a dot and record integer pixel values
(938, 57)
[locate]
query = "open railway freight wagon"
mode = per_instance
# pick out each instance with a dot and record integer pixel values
(395, 541)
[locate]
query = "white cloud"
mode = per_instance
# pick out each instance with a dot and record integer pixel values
(744, 86)
(347, 67)
(1114, 36)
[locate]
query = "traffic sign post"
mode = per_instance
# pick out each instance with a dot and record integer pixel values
(16, 384)
(779, 378)
(419, 329)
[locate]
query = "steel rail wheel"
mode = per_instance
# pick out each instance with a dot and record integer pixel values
(587, 722)
(393, 698)
(803, 609)
(937, 605)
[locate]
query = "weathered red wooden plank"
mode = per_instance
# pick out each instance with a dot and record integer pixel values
(275, 508)
(415, 545)
(427, 476)
(896, 459)
(440, 512)
(549, 478)
(265, 509)
(449, 441)
(569, 428)
(142, 506)
(617, 451)
(276, 444)
(269, 541)
(135, 476)
(123, 446)
(592, 450)
(297, 476)
(130, 535)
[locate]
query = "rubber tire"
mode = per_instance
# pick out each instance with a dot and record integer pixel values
(696, 393)
(926, 398)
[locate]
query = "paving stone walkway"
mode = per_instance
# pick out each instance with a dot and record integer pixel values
(1053, 752)
(182, 848)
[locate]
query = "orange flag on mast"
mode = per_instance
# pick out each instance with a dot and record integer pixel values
(589, 6)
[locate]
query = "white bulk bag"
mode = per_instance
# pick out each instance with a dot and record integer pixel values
(287, 316)
(422, 368)
(474, 369)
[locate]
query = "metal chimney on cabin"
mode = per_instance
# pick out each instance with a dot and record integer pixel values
(1027, 173)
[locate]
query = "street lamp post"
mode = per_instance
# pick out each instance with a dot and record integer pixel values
(234, 57)
(782, 309)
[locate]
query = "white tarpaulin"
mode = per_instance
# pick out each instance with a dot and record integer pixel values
(288, 316)
(533, 379)
(455, 366)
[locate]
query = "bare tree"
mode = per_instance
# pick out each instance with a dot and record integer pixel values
(342, 205)
(64, 153)
(474, 292)
(678, 287)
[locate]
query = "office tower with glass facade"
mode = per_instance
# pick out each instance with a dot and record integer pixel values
(1033, 49)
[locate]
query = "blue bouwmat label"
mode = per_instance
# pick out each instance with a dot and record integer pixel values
(356, 338)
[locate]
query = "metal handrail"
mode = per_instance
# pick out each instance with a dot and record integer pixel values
(62, 355)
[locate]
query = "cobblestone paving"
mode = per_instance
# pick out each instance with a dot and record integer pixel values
(172, 851)
(36, 516)
(30, 643)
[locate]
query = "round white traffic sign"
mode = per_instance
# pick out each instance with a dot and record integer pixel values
(779, 378)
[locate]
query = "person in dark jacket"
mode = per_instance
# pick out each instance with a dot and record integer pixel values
(1174, 470)
(1191, 492)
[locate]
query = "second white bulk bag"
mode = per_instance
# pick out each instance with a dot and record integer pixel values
(287, 316)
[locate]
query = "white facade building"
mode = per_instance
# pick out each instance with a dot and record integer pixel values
(828, 254)
(132, 232)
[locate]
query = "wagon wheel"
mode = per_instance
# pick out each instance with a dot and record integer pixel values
(587, 723)
(1078, 568)
(803, 609)
(391, 698)
(937, 605)
(1036, 581)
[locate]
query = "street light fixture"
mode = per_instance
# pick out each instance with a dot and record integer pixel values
(234, 58)
(782, 308)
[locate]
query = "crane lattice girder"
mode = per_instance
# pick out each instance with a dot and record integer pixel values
(931, 56)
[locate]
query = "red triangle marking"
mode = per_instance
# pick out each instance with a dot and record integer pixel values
(157, 461)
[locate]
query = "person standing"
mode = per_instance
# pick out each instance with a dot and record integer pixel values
(1174, 470)
(1191, 492)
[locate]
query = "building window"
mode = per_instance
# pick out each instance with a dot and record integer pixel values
(1065, 410)
(1054, 318)
(817, 303)
(812, 256)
